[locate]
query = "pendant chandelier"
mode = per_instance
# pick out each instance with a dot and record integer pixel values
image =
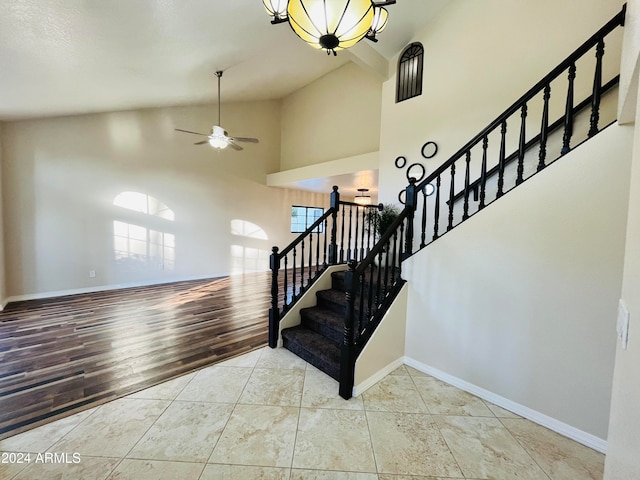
(362, 198)
(331, 25)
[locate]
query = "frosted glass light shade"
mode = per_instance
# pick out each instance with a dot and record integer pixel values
(276, 8)
(331, 24)
(380, 18)
(218, 142)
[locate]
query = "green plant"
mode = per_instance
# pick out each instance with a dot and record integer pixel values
(381, 220)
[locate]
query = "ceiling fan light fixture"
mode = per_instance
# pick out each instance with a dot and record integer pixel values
(218, 142)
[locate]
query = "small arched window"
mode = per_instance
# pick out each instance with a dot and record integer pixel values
(409, 82)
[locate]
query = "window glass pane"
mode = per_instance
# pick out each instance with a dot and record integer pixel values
(303, 217)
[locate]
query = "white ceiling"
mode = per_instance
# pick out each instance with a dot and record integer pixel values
(60, 57)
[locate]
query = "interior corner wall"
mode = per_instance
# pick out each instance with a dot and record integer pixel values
(336, 116)
(480, 57)
(622, 460)
(62, 176)
(3, 285)
(521, 299)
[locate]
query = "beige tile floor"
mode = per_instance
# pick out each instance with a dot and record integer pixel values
(270, 415)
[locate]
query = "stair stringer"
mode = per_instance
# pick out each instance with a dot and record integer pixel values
(308, 299)
(384, 352)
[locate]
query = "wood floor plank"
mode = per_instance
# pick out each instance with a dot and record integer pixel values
(62, 355)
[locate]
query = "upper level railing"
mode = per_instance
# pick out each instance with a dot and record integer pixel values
(432, 207)
(345, 231)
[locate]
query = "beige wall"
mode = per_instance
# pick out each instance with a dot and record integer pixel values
(521, 299)
(472, 74)
(334, 117)
(3, 285)
(61, 177)
(622, 461)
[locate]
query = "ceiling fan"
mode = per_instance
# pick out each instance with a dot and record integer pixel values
(219, 138)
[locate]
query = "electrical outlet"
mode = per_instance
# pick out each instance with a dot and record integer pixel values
(92, 274)
(622, 326)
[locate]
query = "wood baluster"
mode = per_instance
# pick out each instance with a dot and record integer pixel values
(378, 299)
(483, 173)
(369, 230)
(349, 249)
(286, 282)
(324, 258)
(522, 144)
(318, 251)
(342, 237)
(301, 266)
(568, 113)
(423, 234)
(452, 195)
(597, 90)
(274, 311)
(356, 235)
(387, 248)
(394, 251)
(293, 275)
(310, 264)
(503, 143)
(335, 205)
(363, 253)
(402, 242)
(465, 212)
(544, 130)
(436, 214)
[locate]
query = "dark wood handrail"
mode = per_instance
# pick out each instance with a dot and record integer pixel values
(593, 41)
(473, 186)
(306, 233)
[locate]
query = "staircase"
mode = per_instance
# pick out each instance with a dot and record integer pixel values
(332, 334)
(318, 337)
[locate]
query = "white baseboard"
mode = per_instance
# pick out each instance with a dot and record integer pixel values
(103, 288)
(371, 381)
(557, 426)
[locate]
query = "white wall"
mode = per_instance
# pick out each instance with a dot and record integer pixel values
(336, 116)
(61, 176)
(472, 74)
(521, 299)
(622, 461)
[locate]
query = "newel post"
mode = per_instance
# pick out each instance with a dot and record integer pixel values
(347, 351)
(274, 311)
(335, 205)
(411, 201)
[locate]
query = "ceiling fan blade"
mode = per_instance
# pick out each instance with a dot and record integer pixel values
(188, 131)
(245, 139)
(233, 145)
(202, 142)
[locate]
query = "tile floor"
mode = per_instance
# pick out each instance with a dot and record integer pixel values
(270, 415)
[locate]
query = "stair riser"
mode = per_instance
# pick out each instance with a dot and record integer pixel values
(317, 325)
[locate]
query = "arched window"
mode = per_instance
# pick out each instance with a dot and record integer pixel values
(409, 82)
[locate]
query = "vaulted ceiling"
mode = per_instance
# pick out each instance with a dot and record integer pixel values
(60, 57)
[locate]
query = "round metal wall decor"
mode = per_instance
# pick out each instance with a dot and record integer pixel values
(401, 162)
(429, 149)
(402, 196)
(415, 167)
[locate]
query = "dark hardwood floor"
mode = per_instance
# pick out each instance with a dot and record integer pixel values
(63, 355)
